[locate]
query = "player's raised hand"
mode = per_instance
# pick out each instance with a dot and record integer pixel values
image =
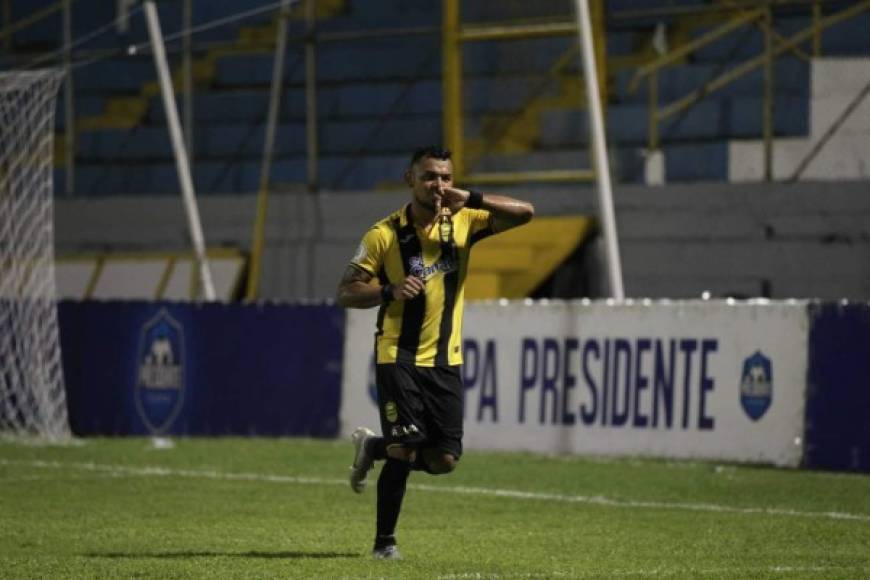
(454, 198)
(409, 288)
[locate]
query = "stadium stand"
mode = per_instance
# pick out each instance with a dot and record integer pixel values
(522, 99)
(378, 97)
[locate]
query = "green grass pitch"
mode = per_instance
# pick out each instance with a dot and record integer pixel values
(281, 508)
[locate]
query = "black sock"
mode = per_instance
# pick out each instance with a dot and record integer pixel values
(419, 464)
(376, 447)
(391, 491)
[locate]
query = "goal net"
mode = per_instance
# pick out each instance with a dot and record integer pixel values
(32, 396)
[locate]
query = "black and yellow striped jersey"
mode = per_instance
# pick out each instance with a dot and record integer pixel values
(427, 330)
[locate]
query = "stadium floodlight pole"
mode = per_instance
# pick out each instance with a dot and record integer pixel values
(602, 166)
(181, 161)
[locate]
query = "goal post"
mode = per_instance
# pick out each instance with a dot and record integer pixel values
(32, 395)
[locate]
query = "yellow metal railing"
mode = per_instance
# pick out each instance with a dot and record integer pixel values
(454, 35)
(774, 46)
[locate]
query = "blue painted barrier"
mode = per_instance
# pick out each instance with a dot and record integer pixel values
(837, 432)
(135, 368)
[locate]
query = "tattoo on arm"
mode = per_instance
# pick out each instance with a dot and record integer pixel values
(353, 274)
(354, 290)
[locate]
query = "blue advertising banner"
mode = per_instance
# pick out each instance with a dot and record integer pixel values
(161, 368)
(838, 388)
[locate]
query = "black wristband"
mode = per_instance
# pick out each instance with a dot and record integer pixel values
(387, 293)
(475, 199)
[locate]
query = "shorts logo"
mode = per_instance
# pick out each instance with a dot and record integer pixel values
(756, 385)
(391, 411)
(400, 431)
(159, 390)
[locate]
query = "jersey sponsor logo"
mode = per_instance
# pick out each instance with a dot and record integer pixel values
(756, 385)
(444, 265)
(159, 389)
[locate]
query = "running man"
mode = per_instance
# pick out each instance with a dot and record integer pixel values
(412, 265)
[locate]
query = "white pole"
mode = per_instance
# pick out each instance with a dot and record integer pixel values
(602, 165)
(181, 161)
(187, 67)
(275, 94)
(69, 106)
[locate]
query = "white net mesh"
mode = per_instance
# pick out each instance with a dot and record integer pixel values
(32, 396)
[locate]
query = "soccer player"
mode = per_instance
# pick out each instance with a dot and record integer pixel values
(412, 265)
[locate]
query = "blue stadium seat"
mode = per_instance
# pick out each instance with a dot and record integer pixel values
(564, 128)
(378, 99)
(361, 173)
(233, 141)
(515, 57)
(620, 42)
(47, 34)
(627, 125)
(396, 13)
(743, 43)
(256, 69)
(791, 76)
(482, 12)
(121, 75)
(743, 117)
(495, 94)
(113, 179)
(137, 144)
(377, 136)
(227, 177)
(384, 59)
(532, 161)
(85, 106)
(626, 162)
(381, 97)
(847, 38)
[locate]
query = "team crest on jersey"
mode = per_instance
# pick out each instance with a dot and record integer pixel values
(415, 266)
(159, 390)
(756, 385)
(391, 411)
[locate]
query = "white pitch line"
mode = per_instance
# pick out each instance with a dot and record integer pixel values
(157, 471)
(652, 572)
(605, 501)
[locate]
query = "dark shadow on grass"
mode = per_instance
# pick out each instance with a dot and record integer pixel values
(253, 554)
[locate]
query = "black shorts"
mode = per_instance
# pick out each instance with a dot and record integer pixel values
(421, 406)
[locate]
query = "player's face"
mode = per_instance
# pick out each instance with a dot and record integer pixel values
(427, 178)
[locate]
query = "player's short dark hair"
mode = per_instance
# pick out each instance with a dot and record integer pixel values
(433, 151)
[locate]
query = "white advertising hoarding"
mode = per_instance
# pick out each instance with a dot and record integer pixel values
(694, 379)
